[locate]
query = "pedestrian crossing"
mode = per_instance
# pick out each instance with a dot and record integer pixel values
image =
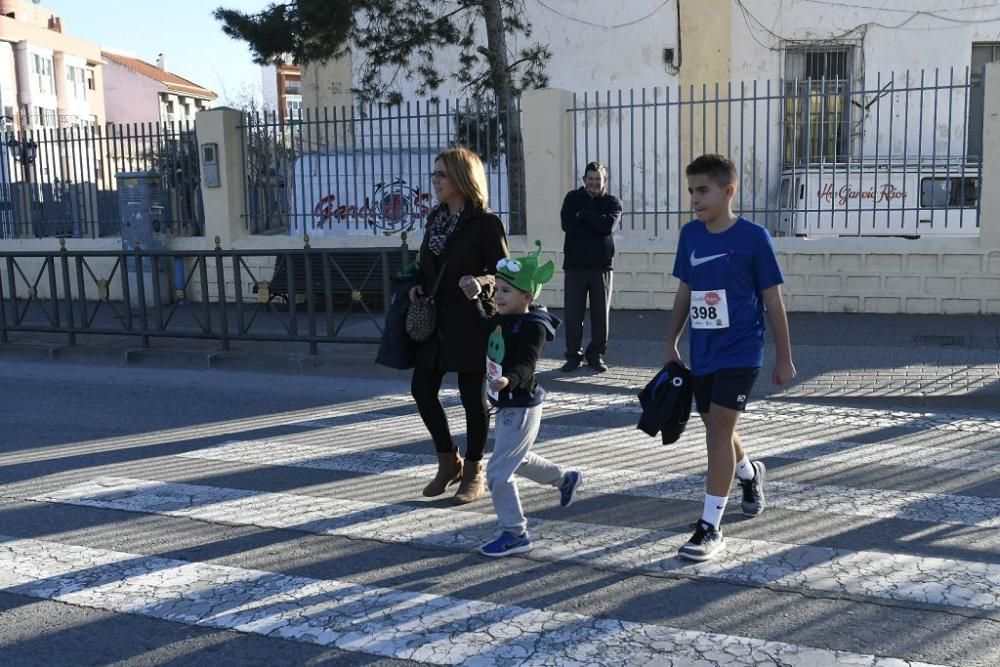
(433, 629)
(939, 562)
(831, 499)
(951, 582)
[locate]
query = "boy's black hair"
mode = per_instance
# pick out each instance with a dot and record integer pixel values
(597, 166)
(717, 167)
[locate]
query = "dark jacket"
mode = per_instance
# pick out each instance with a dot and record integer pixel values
(397, 349)
(475, 246)
(666, 403)
(589, 224)
(524, 337)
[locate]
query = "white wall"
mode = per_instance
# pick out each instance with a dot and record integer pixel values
(586, 57)
(30, 94)
(941, 48)
(68, 104)
(130, 97)
(924, 42)
(8, 85)
(269, 86)
(589, 58)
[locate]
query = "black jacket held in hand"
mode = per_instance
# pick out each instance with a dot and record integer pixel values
(524, 337)
(666, 403)
(589, 224)
(474, 248)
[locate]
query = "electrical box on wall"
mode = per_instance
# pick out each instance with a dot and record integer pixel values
(210, 165)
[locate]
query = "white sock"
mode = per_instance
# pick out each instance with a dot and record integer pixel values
(744, 469)
(715, 506)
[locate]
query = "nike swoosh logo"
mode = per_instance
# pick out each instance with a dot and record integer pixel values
(695, 261)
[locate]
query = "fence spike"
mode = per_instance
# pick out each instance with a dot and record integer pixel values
(137, 244)
(62, 244)
(305, 239)
(218, 244)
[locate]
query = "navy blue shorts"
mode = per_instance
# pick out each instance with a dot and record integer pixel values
(728, 387)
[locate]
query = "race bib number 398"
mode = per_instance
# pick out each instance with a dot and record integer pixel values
(709, 310)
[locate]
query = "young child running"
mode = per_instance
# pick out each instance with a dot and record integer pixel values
(519, 332)
(729, 275)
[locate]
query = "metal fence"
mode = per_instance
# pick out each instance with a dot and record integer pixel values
(364, 169)
(896, 155)
(62, 182)
(310, 295)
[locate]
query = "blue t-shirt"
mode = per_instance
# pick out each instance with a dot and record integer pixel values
(730, 269)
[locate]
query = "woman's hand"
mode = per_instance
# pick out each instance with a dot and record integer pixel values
(499, 384)
(470, 286)
(416, 292)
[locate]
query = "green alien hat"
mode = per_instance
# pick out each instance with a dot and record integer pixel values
(524, 273)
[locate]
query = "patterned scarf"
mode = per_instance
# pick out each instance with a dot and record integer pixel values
(441, 225)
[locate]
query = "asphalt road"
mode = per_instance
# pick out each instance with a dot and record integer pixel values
(156, 516)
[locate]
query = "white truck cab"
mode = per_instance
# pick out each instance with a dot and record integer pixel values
(893, 197)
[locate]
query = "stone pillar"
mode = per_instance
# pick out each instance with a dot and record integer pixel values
(548, 161)
(706, 29)
(549, 174)
(225, 204)
(989, 196)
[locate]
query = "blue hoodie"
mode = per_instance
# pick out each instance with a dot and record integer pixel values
(524, 337)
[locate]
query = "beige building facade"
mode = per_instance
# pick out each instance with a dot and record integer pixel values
(137, 91)
(48, 79)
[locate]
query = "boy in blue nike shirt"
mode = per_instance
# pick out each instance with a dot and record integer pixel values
(728, 276)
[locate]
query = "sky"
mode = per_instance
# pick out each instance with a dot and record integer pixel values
(183, 30)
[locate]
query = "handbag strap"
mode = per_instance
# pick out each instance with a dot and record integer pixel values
(440, 275)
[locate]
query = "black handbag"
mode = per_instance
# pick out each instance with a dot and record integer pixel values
(397, 350)
(421, 316)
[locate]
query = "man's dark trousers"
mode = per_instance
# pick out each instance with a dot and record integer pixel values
(579, 284)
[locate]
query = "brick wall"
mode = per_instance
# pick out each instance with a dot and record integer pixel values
(868, 276)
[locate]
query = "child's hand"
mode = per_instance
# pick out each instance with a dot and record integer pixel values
(784, 372)
(470, 286)
(499, 384)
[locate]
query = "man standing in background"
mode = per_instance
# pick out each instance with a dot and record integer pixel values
(589, 215)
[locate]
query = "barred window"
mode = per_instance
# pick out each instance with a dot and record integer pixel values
(817, 108)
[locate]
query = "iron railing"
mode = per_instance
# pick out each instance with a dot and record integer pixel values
(62, 182)
(364, 169)
(312, 295)
(898, 155)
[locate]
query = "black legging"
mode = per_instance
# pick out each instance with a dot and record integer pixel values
(426, 385)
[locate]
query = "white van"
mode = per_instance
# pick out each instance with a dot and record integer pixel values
(373, 192)
(891, 198)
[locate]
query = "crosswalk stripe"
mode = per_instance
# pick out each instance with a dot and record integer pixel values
(383, 430)
(869, 574)
(829, 499)
(842, 419)
(378, 621)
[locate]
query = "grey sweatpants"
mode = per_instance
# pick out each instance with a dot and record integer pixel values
(515, 433)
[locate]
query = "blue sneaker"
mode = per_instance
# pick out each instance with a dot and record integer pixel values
(570, 484)
(506, 545)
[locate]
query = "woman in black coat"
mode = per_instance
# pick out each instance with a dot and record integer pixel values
(465, 240)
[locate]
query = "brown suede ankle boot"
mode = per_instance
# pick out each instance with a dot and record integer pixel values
(473, 483)
(449, 471)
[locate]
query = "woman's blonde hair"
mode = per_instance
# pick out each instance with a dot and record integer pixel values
(465, 170)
